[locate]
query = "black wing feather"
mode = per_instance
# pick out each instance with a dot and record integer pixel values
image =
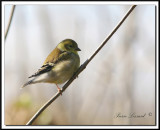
(45, 68)
(48, 66)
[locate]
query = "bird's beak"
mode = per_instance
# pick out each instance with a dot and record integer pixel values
(77, 49)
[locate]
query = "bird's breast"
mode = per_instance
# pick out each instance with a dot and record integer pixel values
(65, 69)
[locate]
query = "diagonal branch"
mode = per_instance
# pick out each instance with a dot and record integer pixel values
(81, 68)
(10, 20)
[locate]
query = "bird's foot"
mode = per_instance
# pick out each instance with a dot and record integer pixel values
(60, 91)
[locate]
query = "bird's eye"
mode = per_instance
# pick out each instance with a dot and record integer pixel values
(70, 46)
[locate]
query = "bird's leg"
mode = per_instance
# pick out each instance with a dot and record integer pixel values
(59, 90)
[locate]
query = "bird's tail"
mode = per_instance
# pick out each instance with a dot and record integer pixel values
(27, 83)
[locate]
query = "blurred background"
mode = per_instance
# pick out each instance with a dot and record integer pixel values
(120, 80)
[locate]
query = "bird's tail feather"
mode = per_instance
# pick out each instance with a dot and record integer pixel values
(27, 83)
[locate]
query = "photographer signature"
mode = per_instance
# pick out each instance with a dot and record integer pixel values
(132, 115)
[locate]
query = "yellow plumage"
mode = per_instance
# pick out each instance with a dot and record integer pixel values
(59, 66)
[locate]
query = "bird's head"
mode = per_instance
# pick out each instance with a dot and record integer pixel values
(68, 45)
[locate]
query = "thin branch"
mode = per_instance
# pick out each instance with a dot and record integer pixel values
(81, 68)
(10, 20)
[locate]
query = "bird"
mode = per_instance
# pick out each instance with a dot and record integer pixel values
(59, 66)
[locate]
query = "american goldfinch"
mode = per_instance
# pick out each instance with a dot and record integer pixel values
(59, 66)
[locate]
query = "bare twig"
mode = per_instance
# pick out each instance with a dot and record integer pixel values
(81, 68)
(10, 20)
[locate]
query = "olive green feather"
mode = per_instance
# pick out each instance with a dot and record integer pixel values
(59, 65)
(48, 65)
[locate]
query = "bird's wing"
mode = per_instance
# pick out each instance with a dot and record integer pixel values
(49, 65)
(45, 68)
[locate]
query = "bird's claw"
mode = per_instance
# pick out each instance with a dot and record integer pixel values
(60, 91)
